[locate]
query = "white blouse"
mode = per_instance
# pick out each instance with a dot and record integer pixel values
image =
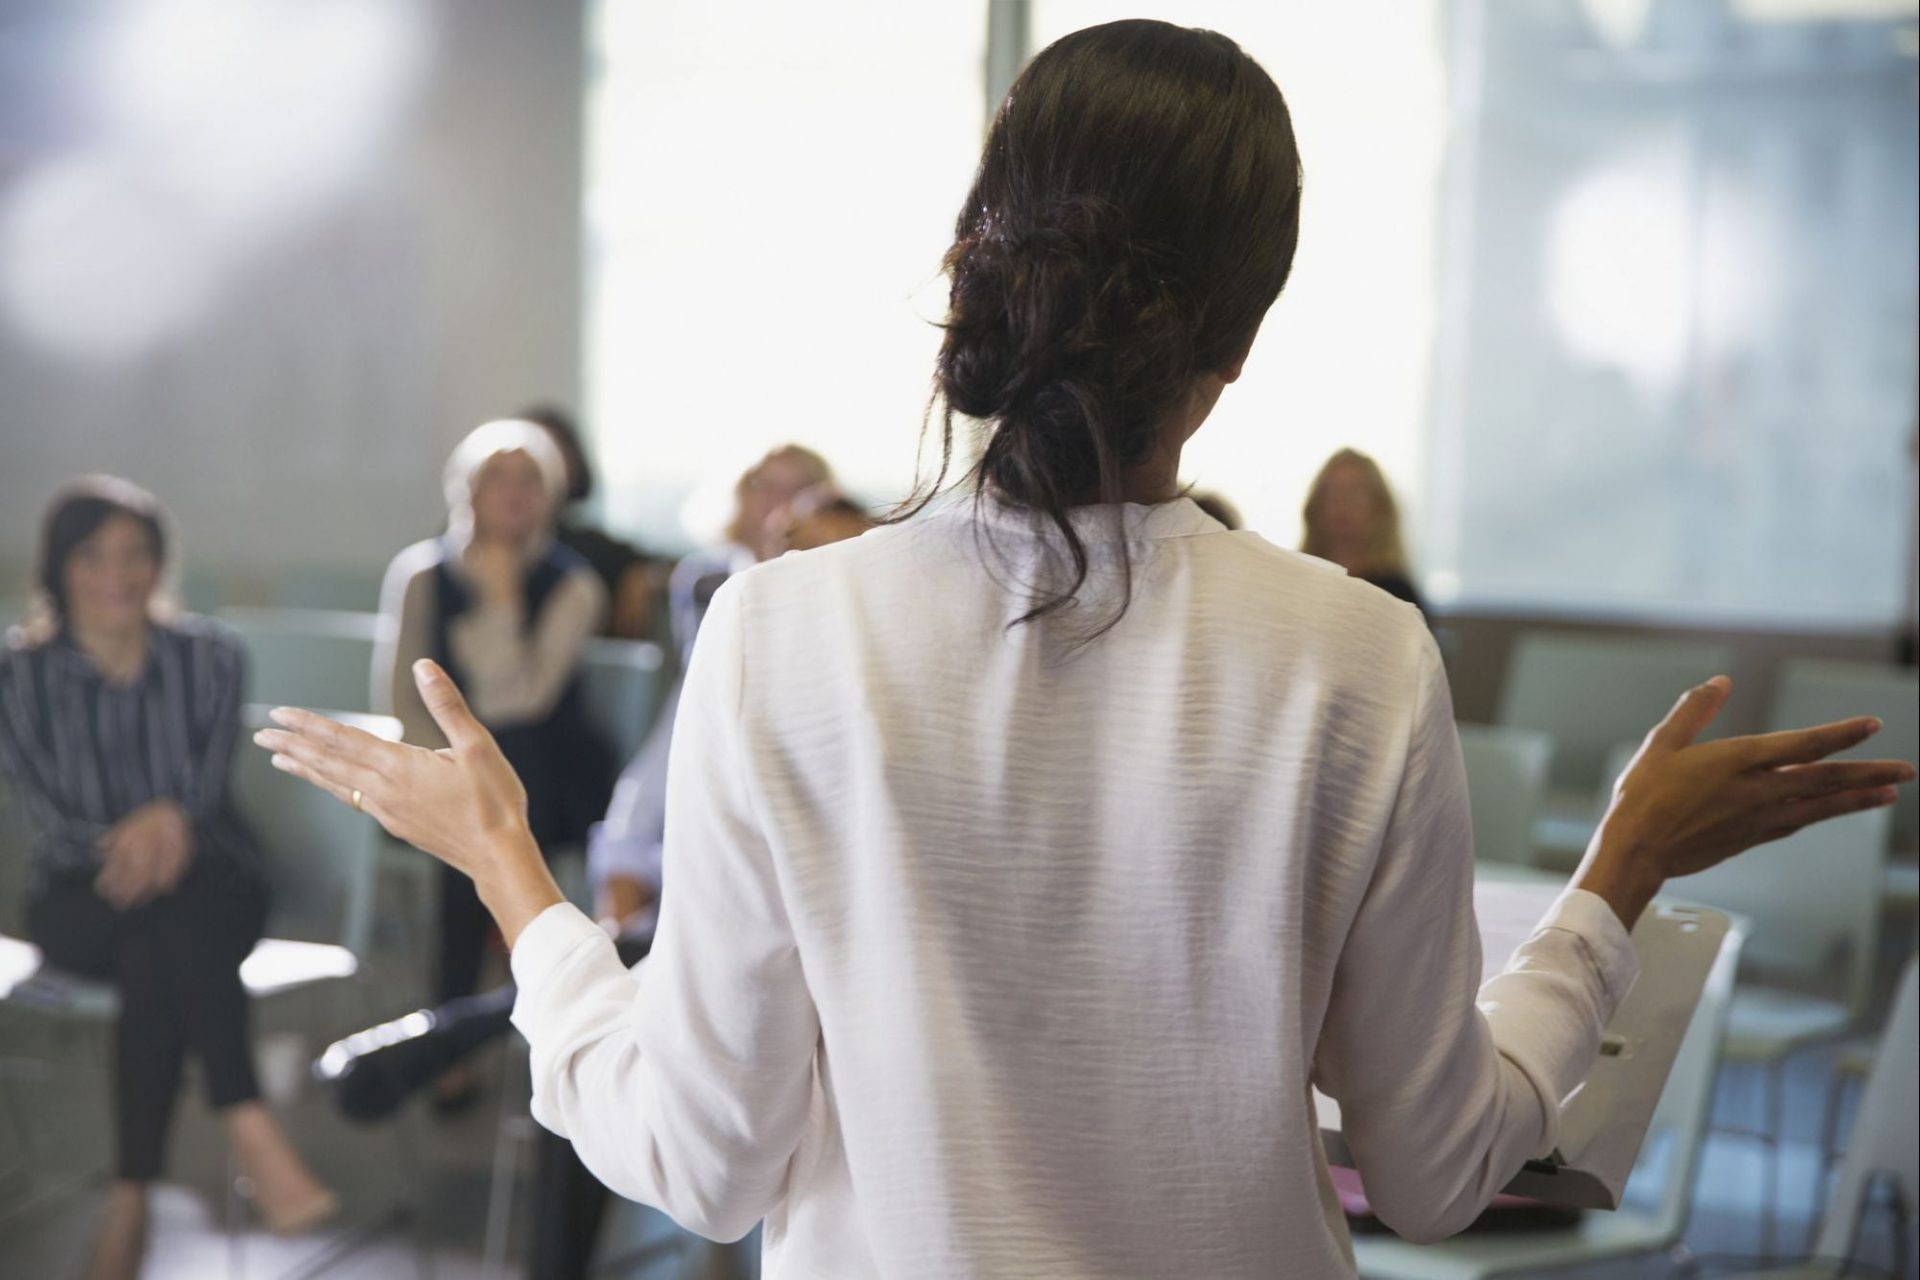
(986, 953)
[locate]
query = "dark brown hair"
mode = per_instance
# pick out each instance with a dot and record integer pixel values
(1134, 216)
(76, 514)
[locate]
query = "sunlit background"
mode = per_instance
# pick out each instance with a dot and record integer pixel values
(1620, 293)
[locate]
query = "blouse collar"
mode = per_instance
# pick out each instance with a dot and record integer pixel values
(1100, 522)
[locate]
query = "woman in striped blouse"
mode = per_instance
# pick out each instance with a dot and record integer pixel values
(116, 731)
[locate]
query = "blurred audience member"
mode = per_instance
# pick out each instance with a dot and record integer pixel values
(822, 515)
(762, 501)
(1352, 520)
(1219, 508)
(634, 580)
(507, 611)
(117, 728)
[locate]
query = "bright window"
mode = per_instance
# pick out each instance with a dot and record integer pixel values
(1677, 362)
(767, 204)
(1343, 357)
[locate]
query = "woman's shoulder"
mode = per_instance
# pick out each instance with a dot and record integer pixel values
(413, 565)
(420, 558)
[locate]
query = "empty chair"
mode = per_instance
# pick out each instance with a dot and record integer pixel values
(334, 587)
(1884, 1146)
(1653, 1216)
(1813, 903)
(1506, 784)
(1588, 695)
(307, 657)
(622, 683)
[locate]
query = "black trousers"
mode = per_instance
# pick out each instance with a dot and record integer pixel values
(176, 961)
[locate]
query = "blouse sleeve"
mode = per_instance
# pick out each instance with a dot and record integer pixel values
(513, 674)
(685, 1083)
(1447, 1087)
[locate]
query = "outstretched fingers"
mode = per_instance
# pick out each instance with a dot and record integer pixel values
(339, 791)
(334, 756)
(1804, 746)
(1797, 815)
(1801, 781)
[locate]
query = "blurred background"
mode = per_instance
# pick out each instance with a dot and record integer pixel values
(1621, 295)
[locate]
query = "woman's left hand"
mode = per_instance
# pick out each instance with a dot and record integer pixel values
(463, 804)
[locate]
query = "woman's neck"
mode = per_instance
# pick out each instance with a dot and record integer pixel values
(119, 653)
(1154, 481)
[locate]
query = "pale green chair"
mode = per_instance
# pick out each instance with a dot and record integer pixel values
(1589, 694)
(1506, 785)
(1813, 901)
(341, 588)
(1652, 1218)
(1883, 1148)
(308, 657)
(622, 683)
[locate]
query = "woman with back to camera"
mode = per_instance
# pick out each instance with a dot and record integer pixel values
(1350, 518)
(117, 731)
(1032, 858)
(507, 611)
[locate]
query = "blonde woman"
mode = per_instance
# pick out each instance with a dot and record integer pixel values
(507, 611)
(1351, 519)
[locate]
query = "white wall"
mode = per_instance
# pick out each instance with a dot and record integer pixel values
(300, 417)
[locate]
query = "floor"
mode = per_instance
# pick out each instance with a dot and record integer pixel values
(447, 1166)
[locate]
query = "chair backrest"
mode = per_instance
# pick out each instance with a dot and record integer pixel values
(1812, 691)
(622, 684)
(322, 857)
(1616, 764)
(1885, 1141)
(1589, 694)
(1677, 1135)
(352, 588)
(1812, 902)
(308, 657)
(1506, 782)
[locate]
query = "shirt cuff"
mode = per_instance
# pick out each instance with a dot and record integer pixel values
(544, 949)
(1607, 943)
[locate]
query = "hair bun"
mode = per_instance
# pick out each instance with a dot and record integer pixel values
(1063, 319)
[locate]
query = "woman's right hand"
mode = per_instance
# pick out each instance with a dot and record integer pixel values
(1682, 805)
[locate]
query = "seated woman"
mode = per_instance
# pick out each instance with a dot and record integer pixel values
(762, 511)
(116, 729)
(1351, 519)
(507, 611)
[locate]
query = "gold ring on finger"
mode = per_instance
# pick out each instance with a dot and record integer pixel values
(356, 800)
